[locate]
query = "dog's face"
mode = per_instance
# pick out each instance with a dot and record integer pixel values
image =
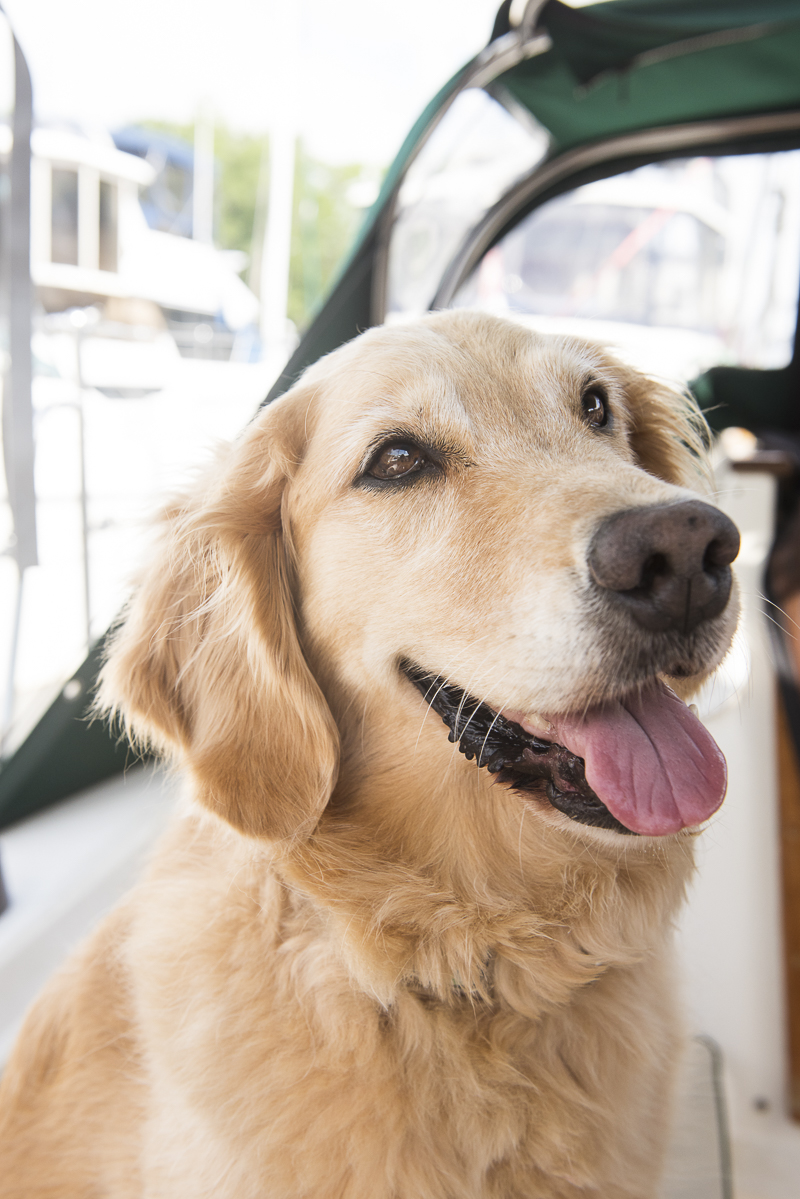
(456, 513)
(493, 517)
(444, 512)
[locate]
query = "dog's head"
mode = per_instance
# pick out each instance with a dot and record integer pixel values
(501, 520)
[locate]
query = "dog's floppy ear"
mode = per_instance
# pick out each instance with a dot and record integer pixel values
(669, 434)
(207, 661)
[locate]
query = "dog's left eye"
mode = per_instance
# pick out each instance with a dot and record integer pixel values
(595, 407)
(396, 460)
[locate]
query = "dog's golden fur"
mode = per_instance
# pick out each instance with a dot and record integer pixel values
(356, 968)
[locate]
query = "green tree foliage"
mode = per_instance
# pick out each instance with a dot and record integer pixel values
(238, 161)
(324, 227)
(328, 211)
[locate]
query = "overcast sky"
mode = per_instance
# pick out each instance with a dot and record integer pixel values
(360, 73)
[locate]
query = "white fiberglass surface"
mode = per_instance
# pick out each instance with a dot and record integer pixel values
(64, 868)
(681, 265)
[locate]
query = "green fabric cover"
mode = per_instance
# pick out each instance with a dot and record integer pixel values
(730, 58)
(607, 36)
(64, 753)
(754, 399)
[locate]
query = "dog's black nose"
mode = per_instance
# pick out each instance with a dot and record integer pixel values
(668, 565)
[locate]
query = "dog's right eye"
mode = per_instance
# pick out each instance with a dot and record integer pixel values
(397, 460)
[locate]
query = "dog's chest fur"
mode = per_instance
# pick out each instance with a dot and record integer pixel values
(313, 1086)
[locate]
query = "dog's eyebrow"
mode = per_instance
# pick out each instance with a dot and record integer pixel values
(436, 417)
(594, 377)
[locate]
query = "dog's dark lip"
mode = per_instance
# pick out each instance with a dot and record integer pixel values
(515, 757)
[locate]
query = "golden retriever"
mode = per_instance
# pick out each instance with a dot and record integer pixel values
(364, 965)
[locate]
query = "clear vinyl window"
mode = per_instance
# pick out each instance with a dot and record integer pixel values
(681, 265)
(475, 153)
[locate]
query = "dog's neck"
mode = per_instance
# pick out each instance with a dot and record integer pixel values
(435, 880)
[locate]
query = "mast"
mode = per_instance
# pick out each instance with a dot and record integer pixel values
(276, 251)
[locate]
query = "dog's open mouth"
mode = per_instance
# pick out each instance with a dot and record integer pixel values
(652, 767)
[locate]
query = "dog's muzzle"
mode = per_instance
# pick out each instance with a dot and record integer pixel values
(515, 757)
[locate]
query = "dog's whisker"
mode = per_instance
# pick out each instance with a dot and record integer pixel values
(782, 612)
(443, 682)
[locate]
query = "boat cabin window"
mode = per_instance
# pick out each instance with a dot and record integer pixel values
(681, 265)
(107, 247)
(64, 218)
(84, 219)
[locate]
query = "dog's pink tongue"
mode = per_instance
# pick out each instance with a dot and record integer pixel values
(649, 759)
